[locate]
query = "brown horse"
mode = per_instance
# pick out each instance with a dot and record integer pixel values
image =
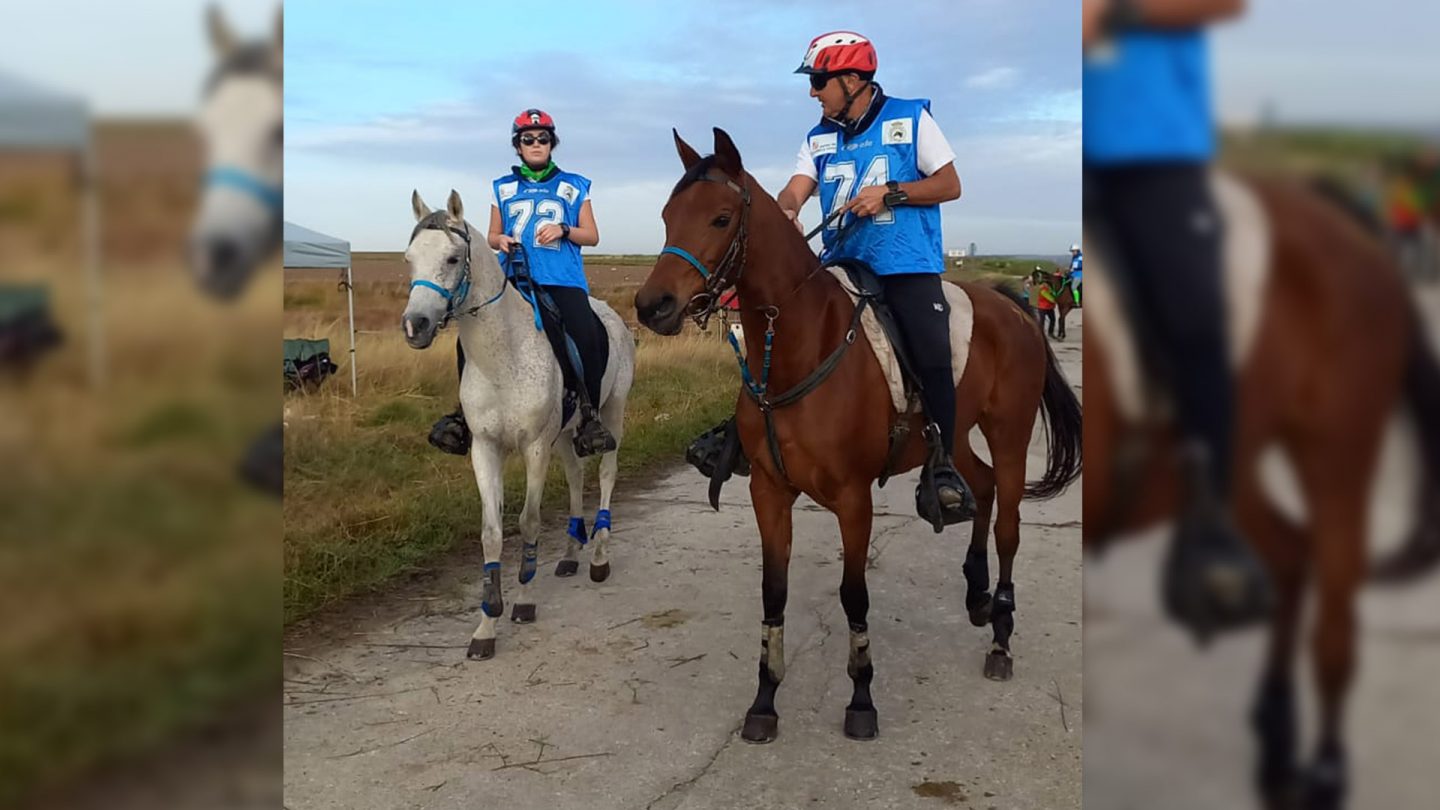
(1331, 358)
(834, 440)
(1064, 302)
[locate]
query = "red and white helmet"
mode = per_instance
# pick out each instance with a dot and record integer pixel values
(532, 119)
(838, 52)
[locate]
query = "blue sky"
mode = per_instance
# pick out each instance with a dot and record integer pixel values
(383, 97)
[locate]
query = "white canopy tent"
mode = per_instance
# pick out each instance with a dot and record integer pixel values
(312, 249)
(34, 118)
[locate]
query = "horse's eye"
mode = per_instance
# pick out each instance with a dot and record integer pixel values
(452, 260)
(721, 221)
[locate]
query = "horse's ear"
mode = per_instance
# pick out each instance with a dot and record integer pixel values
(222, 39)
(418, 206)
(688, 156)
(455, 207)
(727, 157)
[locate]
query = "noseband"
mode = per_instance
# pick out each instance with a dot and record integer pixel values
(269, 195)
(727, 273)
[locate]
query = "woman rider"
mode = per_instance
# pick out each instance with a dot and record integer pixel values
(542, 213)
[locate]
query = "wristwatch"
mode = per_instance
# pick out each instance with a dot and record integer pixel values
(564, 231)
(895, 196)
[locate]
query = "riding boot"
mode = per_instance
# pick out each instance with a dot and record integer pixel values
(451, 434)
(1212, 579)
(592, 436)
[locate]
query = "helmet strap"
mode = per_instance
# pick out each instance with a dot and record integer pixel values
(847, 122)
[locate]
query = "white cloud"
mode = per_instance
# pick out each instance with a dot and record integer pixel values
(996, 78)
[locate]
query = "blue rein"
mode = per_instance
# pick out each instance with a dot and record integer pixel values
(271, 196)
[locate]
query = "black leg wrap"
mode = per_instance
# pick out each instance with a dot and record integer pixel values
(977, 586)
(999, 665)
(1274, 721)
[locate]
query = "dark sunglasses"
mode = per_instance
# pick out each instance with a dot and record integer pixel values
(530, 140)
(819, 80)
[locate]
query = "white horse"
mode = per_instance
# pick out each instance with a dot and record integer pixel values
(511, 393)
(241, 125)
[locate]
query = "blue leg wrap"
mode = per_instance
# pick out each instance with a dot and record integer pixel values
(528, 562)
(602, 521)
(577, 530)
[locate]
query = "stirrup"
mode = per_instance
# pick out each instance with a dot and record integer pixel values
(451, 434)
(592, 436)
(942, 498)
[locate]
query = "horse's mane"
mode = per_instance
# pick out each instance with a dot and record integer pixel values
(252, 59)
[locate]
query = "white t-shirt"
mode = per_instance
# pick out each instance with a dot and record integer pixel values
(932, 151)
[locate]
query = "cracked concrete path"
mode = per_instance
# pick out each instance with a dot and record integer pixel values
(629, 694)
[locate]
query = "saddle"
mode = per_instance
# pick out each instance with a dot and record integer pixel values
(717, 453)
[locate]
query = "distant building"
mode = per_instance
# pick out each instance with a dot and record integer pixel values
(973, 251)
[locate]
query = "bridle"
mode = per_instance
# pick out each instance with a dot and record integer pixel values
(454, 297)
(727, 273)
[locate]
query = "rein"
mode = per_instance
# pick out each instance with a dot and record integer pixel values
(704, 304)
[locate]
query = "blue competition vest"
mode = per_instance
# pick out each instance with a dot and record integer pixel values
(905, 239)
(1147, 99)
(526, 206)
(1077, 264)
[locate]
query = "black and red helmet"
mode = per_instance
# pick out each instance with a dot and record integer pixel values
(532, 119)
(839, 52)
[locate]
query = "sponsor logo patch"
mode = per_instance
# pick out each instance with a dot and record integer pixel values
(897, 130)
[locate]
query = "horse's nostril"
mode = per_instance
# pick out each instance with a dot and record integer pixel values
(665, 306)
(223, 254)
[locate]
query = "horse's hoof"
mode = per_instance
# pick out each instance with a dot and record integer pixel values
(567, 568)
(1324, 787)
(980, 614)
(862, 724)
(599, 573)
(760, 728)
(999, 666)
(522, 614)
(481, 649)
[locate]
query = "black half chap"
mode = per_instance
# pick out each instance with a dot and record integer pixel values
(923, 315)
(584, 328)
(1161, 226)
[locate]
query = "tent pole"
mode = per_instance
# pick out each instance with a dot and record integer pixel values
(92, 262)
(350, 292)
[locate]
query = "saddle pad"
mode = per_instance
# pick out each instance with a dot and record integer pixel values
(962, 323)
(1246, 258)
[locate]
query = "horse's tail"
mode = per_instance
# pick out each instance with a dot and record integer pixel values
(1421, 551)
(1061, 410)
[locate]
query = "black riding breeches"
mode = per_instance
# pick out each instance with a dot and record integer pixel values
(923, 315)
(1162, 235)
(584, 328)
